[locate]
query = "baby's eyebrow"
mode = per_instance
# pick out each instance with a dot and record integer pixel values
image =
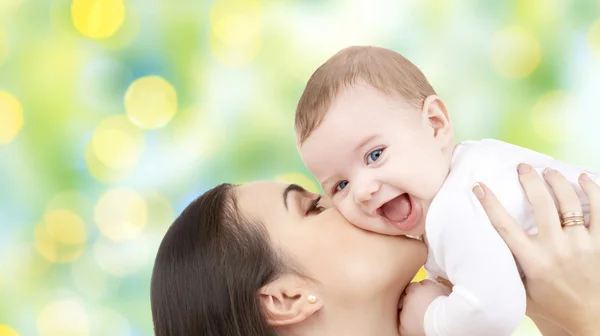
(365, 141)
(288, 189)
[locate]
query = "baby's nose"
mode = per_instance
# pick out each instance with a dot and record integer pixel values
(365, 192)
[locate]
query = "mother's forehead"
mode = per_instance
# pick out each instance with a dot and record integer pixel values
(261, 186)
(262, 192)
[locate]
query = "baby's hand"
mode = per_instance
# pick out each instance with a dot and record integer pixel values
(418, 297)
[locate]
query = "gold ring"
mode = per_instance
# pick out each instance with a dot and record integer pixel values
(572, 218)
(572, 222)
(568, 215)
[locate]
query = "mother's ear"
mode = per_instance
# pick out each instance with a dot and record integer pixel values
(288, 300)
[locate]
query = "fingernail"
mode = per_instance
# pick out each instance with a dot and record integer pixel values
(548, 171)
(523, 168)
(585, 177)
(478, 191)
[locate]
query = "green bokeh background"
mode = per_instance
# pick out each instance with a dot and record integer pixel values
(525, 72)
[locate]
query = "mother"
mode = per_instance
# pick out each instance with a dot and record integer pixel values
(272, 259)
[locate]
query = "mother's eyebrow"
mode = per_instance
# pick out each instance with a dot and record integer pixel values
(288, 189)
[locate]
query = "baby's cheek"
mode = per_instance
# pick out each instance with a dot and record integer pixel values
(355, 217)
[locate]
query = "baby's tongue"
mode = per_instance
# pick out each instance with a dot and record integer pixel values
(397, 209)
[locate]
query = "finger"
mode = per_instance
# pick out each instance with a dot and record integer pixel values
(568, 201)
(401, 302)
(513, 235)
(592, 190)
(411, 287)
(544, 209)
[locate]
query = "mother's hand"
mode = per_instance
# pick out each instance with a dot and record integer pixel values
(561, 264)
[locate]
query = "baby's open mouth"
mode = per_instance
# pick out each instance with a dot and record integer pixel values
(399, 212)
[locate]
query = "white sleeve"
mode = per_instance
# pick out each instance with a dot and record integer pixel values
(488, 297)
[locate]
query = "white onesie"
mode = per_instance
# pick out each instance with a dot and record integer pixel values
(488, 298)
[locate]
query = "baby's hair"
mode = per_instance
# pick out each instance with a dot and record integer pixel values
(383, 69)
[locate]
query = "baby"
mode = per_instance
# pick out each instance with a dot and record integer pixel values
(373, 132)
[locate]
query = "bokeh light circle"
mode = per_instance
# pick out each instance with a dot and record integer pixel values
(61, 236)
(65, 227)
(515, 52)
(7, 6)
(236, 27)
(121, 214)
(66, 317)
(124, 258)
(11, 117)
(98, 19)
(7, 331)
(299, 179)
(100, 171)
(117, 143)
(150, 102)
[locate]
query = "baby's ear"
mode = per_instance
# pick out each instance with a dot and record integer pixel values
(435, 112)
(288, 300)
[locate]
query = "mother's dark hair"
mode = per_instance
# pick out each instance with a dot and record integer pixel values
(209, 268)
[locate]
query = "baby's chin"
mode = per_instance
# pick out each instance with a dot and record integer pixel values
(381, 225)
(418, 230)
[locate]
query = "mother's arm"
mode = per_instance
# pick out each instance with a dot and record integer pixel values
(561, 265)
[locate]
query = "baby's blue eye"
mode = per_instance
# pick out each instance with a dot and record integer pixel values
(374, 155)
(340, 186)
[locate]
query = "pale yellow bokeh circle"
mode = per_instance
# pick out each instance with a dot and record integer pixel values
(100, 171)
(299, 179)
(54, 251)
(236, 26)
(7, 6)
(61, 318)
(61, 236)
(121, 214)
(593, 38)
(11, 117)
(7, 331)
(98, 19)
(65, 227)
(117, 143)
(549, 118)
(150, 102)
(515, 52)
(116, 259)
